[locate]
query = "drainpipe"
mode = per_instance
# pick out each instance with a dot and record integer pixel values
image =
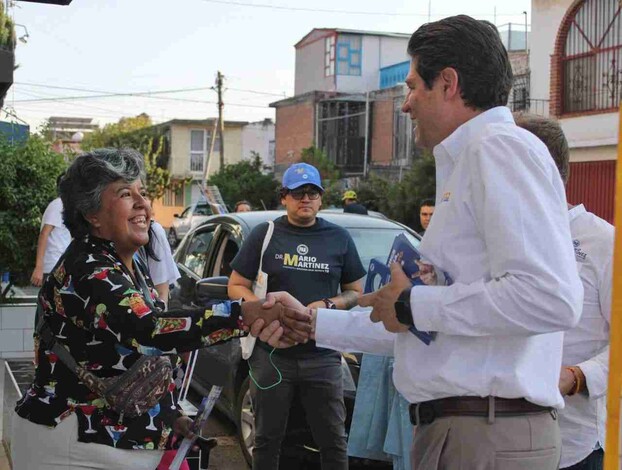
(365, 152)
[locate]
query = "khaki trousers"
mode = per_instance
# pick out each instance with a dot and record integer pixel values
(525, 442)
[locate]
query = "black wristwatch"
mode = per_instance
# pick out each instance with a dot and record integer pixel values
(329, 304)
(402, 308)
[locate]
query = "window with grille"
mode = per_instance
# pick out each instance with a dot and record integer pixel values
(591, 62)
(200, 142)
(349, 49)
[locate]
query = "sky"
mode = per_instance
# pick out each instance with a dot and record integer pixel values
(94, 47)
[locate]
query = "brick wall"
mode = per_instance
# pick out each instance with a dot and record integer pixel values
(295, 128)
(16, 328)
(382, 132)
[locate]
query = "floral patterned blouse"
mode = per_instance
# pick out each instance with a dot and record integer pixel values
(99, 313)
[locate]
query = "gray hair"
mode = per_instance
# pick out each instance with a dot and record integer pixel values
(551, 134)
(86, 179)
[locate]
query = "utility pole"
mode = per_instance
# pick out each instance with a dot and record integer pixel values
(221, 122)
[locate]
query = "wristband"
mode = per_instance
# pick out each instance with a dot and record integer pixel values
(329, 304)
(577, 381)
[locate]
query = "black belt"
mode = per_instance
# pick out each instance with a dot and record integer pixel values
(426, 412)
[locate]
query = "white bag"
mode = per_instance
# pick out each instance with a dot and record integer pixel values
(259, 288)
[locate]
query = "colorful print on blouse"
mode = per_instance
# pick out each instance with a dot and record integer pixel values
(97, 311)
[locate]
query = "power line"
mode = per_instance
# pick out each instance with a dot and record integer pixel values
(179, 90)
(349, 12)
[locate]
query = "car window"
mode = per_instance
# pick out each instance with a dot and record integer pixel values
(195, 257)
(376, 243)
(202, 210)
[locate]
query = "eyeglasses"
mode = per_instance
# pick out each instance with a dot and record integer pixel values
(299, 194)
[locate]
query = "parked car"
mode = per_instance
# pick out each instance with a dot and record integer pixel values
(204, 258)
(190, 217)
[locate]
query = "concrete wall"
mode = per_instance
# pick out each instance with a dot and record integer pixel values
(16, 329)
(591, 137)
(377, 52)
(294, 131)
(256, 137)
(546, 16)
(179, 163)
(309, 75)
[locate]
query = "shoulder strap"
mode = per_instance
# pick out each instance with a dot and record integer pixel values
(48, 339)
(266, 242)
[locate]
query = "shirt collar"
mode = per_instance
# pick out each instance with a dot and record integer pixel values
(458, 139)
(576, 211)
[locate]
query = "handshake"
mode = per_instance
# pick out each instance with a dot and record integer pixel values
(279, 320)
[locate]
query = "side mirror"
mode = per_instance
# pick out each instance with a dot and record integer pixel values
(176, 216)
(210, 289)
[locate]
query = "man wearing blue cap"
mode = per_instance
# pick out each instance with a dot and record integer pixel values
(311, 259)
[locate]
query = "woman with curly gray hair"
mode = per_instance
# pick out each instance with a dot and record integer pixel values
(101, 307)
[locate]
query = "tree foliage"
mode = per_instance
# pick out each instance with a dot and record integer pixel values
(138, 133)
(128, 132)
(28, 173)
(318, 158)
(245, 180)
(400, 201)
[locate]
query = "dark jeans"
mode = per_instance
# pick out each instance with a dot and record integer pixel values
(594, 461)
(319, 381)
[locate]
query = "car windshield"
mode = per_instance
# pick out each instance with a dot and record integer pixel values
(376, 243)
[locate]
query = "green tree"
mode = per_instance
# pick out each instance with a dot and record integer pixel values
(139, 133)
(400, 201)
(28, 173)
(245, 180)
(132, 132)
(318, 158)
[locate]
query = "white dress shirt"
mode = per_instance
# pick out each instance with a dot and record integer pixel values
(59, 238)
(165, 270)
(500, 230)
(582, 421)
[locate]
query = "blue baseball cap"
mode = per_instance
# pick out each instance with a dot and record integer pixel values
(300, 174)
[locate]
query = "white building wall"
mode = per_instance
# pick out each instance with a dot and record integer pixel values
(377, 52)
(309, 75)
(256, 137)
(591, 137)
(546, 16)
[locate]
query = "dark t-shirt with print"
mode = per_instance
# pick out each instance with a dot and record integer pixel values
(308, 262)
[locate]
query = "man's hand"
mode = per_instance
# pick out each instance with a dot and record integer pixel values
(567, 380)
(292, 327)
(296, 322)
(37, 277)
(383, 300)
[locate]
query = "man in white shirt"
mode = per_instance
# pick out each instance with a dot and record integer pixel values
(585, 357)
(54, 238)
(483, 394)
(162, 267)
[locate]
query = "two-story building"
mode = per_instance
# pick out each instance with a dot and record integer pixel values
(335, 71)
(576, 68)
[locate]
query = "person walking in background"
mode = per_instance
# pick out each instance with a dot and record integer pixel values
(585, 360)
(54, 238)
(162, 267)
(351, 204)
(317, 262)
(426, 210)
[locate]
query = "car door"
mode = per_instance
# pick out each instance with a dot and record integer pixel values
(193, 261)
(219, 364)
